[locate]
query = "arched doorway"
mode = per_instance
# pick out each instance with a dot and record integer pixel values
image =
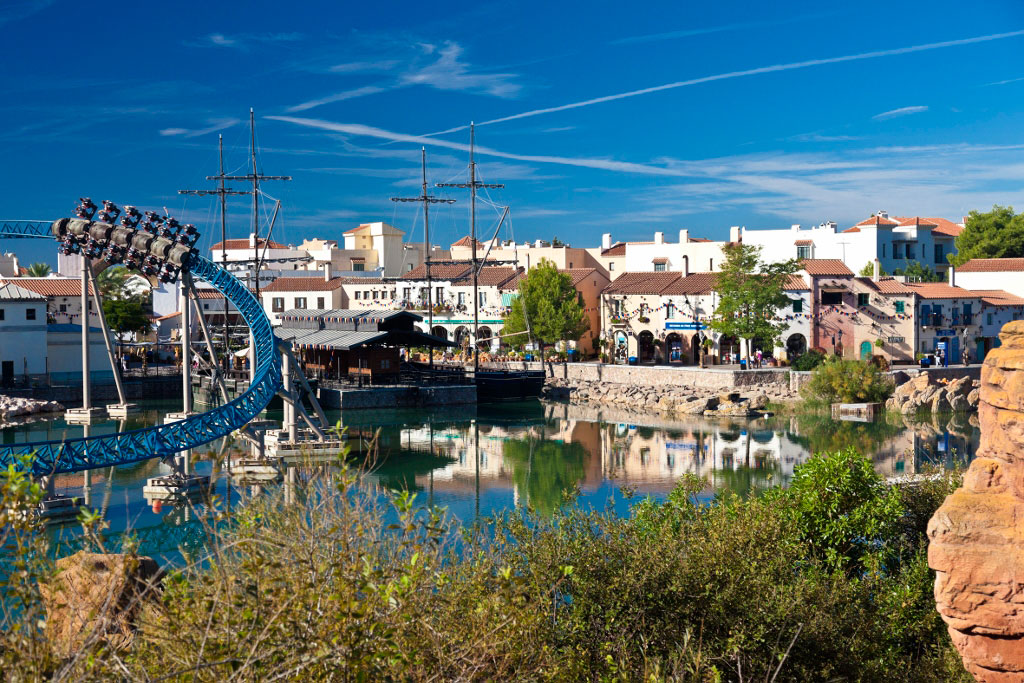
(674, 344)
(695, 342)
(483, 337)
(439, 331)
(621, 352)
(796, 346)
(461, 336)
(729, 350)
(865, 350)
(645, 341)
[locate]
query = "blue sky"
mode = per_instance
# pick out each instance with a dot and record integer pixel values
(599, 117)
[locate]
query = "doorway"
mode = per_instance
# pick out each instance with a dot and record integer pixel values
(7, 373)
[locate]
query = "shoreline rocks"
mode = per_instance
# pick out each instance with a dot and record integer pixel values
(12, 407)
(928, 393)
(669, 401)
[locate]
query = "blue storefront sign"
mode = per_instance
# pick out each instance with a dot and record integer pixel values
(945, 333)
(685, 326)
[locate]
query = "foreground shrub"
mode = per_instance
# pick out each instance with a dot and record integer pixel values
(808, 361)
(847, 381)
(826, 580)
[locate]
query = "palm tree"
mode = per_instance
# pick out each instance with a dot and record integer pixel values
(111, 282)
(38, 270)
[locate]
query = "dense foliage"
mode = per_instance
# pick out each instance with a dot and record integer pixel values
(808, 361)
(826, 580)
(847, 381)
(998, 233)
(124, 316)
(38, 269)
(915, 271)
(750, 294)
(553, 308)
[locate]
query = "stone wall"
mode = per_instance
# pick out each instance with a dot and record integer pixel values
(977, 539)
(668, 376)
(396, 397)
(103, 393)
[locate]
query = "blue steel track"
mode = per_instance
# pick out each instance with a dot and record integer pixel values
(76, 455)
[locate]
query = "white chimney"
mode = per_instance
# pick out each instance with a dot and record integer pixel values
(952, 276)
(795, 227)
(883, 213)
(684, 236)
(832, 225)
(252, 240)
(877, 272)
(686, 266)
(606, 241)
(735, 234)
(327, 272)
(538, 243)
(659, 238)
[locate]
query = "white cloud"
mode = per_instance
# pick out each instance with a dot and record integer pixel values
(744, 73)
(1007, 81)
(337, 97)
(902, 111)
(243, 41)
(364, 67)
(215, 125)
(450, 73)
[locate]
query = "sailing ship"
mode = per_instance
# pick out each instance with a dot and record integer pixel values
(492, 384)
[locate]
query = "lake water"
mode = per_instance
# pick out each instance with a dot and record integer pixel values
(478, 462)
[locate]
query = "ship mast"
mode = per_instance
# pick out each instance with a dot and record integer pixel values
(473, 185)
(427, 200)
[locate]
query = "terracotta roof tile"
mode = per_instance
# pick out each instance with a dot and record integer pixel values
(467, 241)
(493, 276)
(942, 225)
(999, 297)
(694, 283)
(580, 274)
(825, 266)
(796, 283)
(439, 270)
(617, 249)
(886, 285)
(303, 284)
(804, 243)
(940, 290)
(642, 283)
(992, 265)
(50, 286)
(876, 221)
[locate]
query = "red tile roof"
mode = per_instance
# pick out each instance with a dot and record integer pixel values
(244, 244)
(356, 229)
(697, 239)
(494, 276)
(853, 229)
(825, 266)
(659, 259)
(992, 265)
(999, 297)
(942, 225)
(303, 284)
(617, 249)
(915, 221)
(694, 283)
(467, 241)
(50, 286)
(940, 290)
(876, 220)
(580, 274)
(796, 283)
(439, 270)
(886, 285)
(804, 243)
(642, 283)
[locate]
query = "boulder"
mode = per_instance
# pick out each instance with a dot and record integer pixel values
(977, 541)
(758, 402)
(97, 597)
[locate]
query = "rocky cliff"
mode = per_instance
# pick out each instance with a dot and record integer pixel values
(977, 536)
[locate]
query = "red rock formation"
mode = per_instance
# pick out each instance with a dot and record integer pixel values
(977, 536)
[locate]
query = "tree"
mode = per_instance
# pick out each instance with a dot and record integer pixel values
(38, 270)
(750, 293)
(555, 242)
(117, 282)
(915, 271)
(998, 233)
(124, 316)
(553, 308)
(869, 270)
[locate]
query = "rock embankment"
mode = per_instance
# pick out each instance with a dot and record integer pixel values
(668, 401)
(977, 540)
(11, 407)
(927, 393)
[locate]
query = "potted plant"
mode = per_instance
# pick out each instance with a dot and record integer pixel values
(879, 343)
(643, 319)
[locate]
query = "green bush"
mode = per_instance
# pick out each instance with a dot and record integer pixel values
(847, 381)
(826, 580)
(808, 361)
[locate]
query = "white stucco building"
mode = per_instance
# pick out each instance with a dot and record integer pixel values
(22, 333)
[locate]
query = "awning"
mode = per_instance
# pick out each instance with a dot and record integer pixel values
(242, 353)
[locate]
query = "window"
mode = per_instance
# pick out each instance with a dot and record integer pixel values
(357, 296)
(462, 298)
(883, 251)
(831, 298)
(406, 293)
(862, 299)
(300, 302)
(439, 294)
(896, 250)
(366, 294)
(483, 298)
(385, 364)
(611, 266)
(900, 307)
(320, 302)
(938, 254)
(670, 311)
(277, 304)
(659, 267)
(30, 314)
(803, 252)
(358, 267)
(1, 314)
(910, 251)
(798, 305)
(63, 308)
(570, 264)
(989, 319)
(617, 307)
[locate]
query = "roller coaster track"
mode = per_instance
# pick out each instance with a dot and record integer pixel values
(76, 455)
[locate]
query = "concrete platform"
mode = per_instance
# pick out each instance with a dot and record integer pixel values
(178, 417)
(59, 509)
(306, 446)
(254, 470)
(175, 486)
(80, 416)
(123, 409)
